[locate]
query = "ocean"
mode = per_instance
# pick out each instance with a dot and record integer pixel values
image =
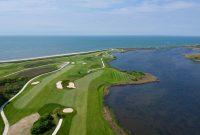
(20, 47)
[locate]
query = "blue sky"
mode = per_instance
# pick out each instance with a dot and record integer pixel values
(100, 17)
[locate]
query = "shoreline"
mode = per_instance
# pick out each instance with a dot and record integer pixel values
(50, 56)
(93, 51)
(110, 115)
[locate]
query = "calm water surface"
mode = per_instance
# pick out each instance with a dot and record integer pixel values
(17, 47)
(170, 107)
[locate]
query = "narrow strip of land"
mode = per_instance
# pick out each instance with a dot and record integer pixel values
(51, 56)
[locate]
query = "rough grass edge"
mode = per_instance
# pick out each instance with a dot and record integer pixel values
(109, 113)
(191, 57)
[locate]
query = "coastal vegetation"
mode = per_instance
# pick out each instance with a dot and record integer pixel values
(87, 99)
(10, 85)
(193, 57)
(44, 124)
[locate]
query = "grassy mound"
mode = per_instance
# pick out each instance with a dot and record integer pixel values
(45, 125)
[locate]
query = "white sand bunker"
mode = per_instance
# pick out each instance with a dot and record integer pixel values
(59, 85)
(35, 83)
(71, 85)
(84, 63)
(68, 110)
(72, 62)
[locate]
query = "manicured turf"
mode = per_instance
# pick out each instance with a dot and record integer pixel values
(86, 99)
(66, 125)
(34, 98)
(79, 123)
(96, 123)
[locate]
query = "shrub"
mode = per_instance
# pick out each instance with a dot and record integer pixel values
(65, 82)
(137, 74)
(10, 86)
(44, 124)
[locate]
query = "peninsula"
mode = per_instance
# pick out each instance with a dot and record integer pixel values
(62, 95)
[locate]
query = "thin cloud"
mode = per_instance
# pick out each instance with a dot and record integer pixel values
(110, 6)
(26, 6)
(155, 6)
(101, 3)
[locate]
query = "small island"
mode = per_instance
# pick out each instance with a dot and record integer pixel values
(193, 57)
(62, 95)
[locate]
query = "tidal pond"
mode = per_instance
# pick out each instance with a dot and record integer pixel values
(168, 107)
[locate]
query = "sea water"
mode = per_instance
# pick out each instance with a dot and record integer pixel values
(20, 47)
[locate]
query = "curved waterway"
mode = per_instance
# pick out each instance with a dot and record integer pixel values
(169, 107)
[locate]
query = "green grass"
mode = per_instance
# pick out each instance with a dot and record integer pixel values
(86, 99)
(11, 85)
(96, 123)
(1, 125)
(56, 110)
(66, 125)
(31, 100)
(49, 108)
(80, 104)
(22, 105)
(7, 68)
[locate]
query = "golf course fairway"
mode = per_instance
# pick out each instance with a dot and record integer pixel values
(92, 76)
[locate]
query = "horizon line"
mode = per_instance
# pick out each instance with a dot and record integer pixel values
(82, 35)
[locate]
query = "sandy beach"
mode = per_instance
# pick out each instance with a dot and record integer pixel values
(50, 56)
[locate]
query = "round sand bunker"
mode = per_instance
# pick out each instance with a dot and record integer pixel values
(68, 110)
(71, 85)
(59, 85)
